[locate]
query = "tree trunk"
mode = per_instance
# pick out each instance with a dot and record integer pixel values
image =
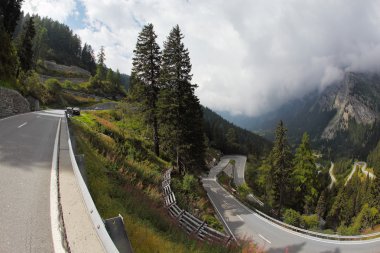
(178, 162)
(156, 137)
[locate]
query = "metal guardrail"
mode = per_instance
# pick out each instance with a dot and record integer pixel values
(320, 235)
(191, 224)
(97, 221)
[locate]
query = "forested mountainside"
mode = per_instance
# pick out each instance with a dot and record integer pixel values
(45, 60)
(54, 41)
(231, 139)
(344, 117)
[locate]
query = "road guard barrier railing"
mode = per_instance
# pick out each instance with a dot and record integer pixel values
(320, 235)
(99, 225)
(186, 220)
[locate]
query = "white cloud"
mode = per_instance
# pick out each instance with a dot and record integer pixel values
(57, 9)
(248, 56)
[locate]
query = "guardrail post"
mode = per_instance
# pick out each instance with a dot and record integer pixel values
(200, 227)
(180, 214)
(228, 240)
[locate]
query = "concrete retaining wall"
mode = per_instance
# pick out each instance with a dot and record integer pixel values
(12, 102)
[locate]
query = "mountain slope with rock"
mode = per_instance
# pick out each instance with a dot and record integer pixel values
(344, 116)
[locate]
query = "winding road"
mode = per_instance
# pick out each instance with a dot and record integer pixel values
(244, 223)
(363, 166)
(332, 177)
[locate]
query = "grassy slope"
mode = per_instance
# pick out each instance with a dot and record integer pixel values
(124, 177)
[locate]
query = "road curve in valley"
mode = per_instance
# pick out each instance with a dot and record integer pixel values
(332, 177)
(26, 150)
(363, 166)
(240, 161)
(247, 224)
(364, 170)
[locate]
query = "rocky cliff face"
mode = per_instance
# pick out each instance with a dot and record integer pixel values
(354, 99)
(12, 103)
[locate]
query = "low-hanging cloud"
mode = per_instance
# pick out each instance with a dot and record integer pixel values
(248, 56)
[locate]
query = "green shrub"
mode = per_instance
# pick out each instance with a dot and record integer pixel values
(188, 183)
(30, 85)
(310, 221)
(53, 85)
(292, 217)
(345, 230)
(244, 190)
(367, 218)
(68, 85)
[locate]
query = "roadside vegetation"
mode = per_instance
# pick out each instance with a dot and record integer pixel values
(124, 176)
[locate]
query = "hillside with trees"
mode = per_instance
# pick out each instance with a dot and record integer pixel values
(295, 189)
(37, 53)
(231, 139)
(161, 82)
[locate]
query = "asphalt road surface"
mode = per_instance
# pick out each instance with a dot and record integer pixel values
(26, 149)
(246, 224)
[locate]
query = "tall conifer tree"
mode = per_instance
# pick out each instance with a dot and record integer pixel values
(180, 111)
(101, 68)
(146, 74)
(281, 169)
(305, 176)
(25, 51)
(10, 11)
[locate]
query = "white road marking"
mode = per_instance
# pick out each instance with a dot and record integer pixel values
(265, 239)
(23, 124)
(54, 213)
(240, 218)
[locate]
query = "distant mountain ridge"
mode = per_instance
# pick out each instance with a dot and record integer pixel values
(345, 116)
(356, 98)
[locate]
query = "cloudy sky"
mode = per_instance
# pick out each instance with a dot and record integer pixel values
(248, 56)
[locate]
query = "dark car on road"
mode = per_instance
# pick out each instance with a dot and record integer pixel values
(76, 111)
(69, 110)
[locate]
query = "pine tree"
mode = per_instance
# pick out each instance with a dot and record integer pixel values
(305, 176)
(10, 11)
(146, 74)
(25, 52)
(320, 209)
(375, 192)
(118, 78)
(88, 59)
(101, 67)
(180, 111)
(8, 56)
(281, 169)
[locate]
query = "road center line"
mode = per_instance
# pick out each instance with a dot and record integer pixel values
(23, 124)
(265, 239)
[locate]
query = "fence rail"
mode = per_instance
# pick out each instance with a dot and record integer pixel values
(191, 224)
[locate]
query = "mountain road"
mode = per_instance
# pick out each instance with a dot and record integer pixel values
(247, 224)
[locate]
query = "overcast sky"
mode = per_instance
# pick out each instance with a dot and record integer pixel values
(248, 56)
